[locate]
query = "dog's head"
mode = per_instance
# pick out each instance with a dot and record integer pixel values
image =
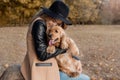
(55, 34)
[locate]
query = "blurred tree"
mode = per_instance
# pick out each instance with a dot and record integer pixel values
(84, 11)
(115, 11)
(16, 12)
(81, 11)
(110, 13)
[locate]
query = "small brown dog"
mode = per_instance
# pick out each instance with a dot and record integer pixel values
(67, 62)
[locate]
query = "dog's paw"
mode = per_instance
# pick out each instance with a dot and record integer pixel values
(79, 67)
(73, 74)
(64, 45)
(50, 49)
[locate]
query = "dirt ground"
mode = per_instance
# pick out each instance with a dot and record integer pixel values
(100, 48)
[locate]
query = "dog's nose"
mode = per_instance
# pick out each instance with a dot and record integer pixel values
(50, 35)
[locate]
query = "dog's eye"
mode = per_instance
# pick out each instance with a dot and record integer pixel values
(56, 31)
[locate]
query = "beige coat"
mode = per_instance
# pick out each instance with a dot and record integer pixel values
(32, 72)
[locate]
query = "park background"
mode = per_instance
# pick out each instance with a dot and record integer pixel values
(19, 12)
(95, 29)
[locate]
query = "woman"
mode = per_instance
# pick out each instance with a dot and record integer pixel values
(38, 64)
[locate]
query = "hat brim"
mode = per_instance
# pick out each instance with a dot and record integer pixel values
(52, 14)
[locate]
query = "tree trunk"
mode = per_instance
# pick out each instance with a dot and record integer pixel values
(12, 73)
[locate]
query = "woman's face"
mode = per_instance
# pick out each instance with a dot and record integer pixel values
(54, 22)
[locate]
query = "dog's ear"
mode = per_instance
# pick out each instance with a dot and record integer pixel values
(64, 44)
(62, 33)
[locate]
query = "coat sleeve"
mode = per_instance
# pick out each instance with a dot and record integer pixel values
(40, 41)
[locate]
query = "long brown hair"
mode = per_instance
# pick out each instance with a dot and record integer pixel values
(45, 17)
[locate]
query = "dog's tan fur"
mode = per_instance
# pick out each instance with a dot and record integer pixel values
(65, 61)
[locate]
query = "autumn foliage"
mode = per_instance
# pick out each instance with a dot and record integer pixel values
(19, 12)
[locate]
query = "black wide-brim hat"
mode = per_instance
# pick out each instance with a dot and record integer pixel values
(58, 10)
